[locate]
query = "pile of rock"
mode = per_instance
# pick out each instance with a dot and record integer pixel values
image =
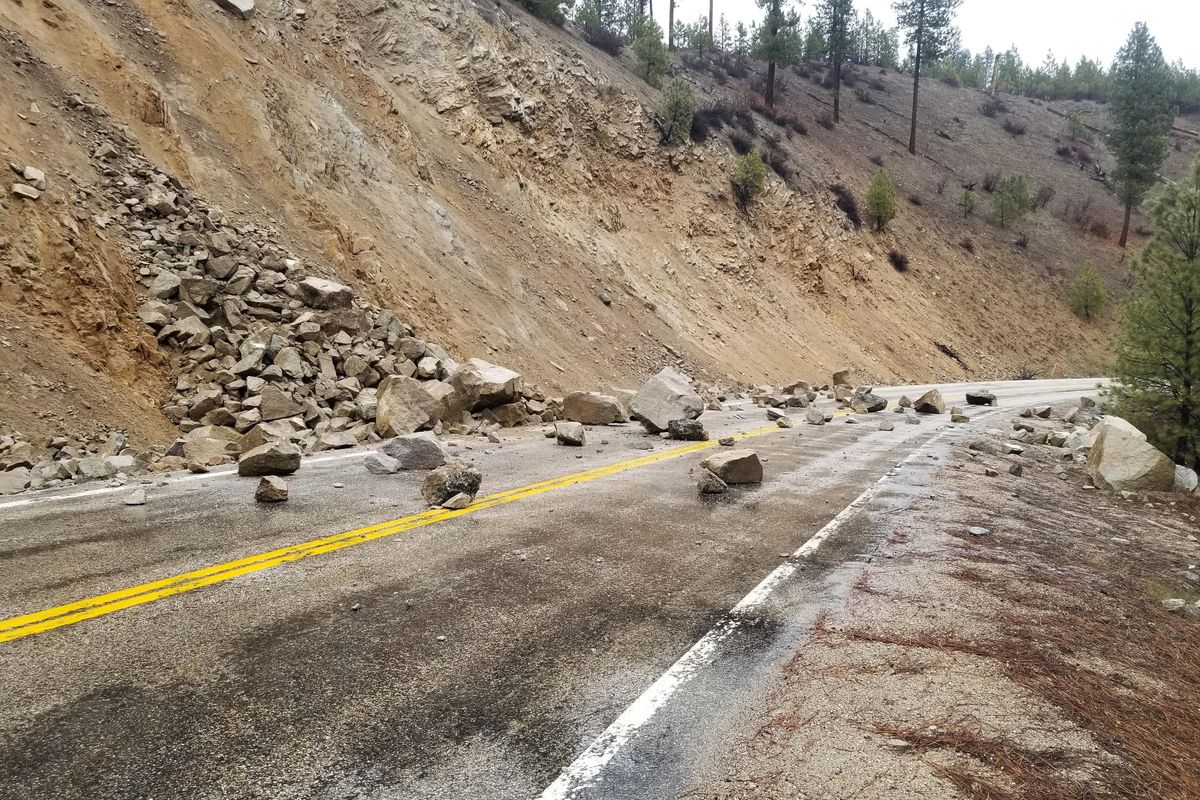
(30, 183)
(66, 460)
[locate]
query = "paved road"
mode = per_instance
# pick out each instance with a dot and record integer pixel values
(474, 655)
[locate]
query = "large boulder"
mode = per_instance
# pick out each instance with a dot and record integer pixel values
(273, 458)
(687, 430)
(593, 408)
(14, 480)
(981, 397)
(571, 434)
(735, 466)
(271, 489)
(930, 403)
(320, 293)
(450, 480)
(1122, 461)
(841, 378)
(403, 406)
(278, 405)
(415, 451)
(482, 385)
(1186, 479)
(665, 397)
(866, 401)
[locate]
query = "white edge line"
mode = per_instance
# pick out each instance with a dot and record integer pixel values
(585, 769)
(136, 480)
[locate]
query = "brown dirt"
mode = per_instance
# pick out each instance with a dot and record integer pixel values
(374, 139)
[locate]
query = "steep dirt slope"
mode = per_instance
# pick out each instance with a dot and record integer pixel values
(499, 185)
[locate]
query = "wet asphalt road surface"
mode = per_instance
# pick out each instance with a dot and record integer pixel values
(472, 658)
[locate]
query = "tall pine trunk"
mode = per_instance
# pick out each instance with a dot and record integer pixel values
(912, 131)
(1125, 226)
(771, 84)
(671, 25)
(837, 89)
(711, 41)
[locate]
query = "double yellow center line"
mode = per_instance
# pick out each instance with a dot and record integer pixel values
(100, 605)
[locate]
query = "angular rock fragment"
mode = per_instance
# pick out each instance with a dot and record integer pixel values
(735, 466)
(688, 430)
(271, 489)
(451, 479)
(593, 408)
(273, 458)
(571, 434)
(415, 451)
(665, 397)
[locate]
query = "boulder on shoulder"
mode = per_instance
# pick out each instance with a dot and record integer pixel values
(665, 397)
(593, 408)
(271, 489)
(481, 384)
(273, 458)
(571, 434)
(930, 403)
(735, 466)
(687, 430)
(1122, 461)
(403, 406)
(415, 451)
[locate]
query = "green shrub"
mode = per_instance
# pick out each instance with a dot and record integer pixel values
(967, 202)
(1087, 295)
(1075, 128)
(549, 10)
(675, 112)
(650, 53)
(881, 199)
(749, 179)
(1011, 200)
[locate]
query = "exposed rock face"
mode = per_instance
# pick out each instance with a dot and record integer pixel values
(449, 480)
(274, 458)
(665, 397)
(571, 434)
(484, 385)
(403, 406)
(930, 403)
(735, 466)
(981, 397)
(271, 489)
(415, 451)
(1122, 461)
(593, 408)
(688, 430)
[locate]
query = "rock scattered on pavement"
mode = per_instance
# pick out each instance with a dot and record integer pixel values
(271, 489)
(981, 397)
(273, 458)
(416, 451)
(381, 464)
(665, 397)
(930, 403)
(571, 434)
(735, 466)
(593, 408)
(687, 430)
(448, 480)
(707, 482)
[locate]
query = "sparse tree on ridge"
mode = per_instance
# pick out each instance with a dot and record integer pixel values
(1087, 295)
(652, 58)
(675, 113)
(930, 30)
(1142, 114)
(778, 41)
(835, 18)
(1158, 352)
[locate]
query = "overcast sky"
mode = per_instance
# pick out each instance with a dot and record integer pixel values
(1069, 28)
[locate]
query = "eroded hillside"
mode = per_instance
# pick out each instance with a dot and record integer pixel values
(499, 185)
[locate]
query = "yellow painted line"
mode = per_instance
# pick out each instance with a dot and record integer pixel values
(100, 605)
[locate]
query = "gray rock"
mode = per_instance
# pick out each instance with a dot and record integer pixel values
(688, 430)
(1043, 411)
(735, 466)
(1122, 461)
(904, 402)
(842, 378)
(887, 425)
(323, 294)
(930, 403)
(381, 464)
(708, 483)
(459, 501)
(446, 481)
(867, 402)
(272, 458)
(814, 416)
(593, 408)
(482, 385)
(271, 489)
(570, 433)
(415, 451)
(1185, 479)
(981, 397)
(665, 397)
(14, 480)
(277, 405)
(975, 530)
(136, 498)
(25, 192)
(726, 441)
(403, 406)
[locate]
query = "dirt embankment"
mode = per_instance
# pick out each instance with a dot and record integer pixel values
(499, 185)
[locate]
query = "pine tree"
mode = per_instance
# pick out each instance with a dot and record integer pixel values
(652, 58)
(675, 113)
(723, 38)
(1142, 115)
(836, 17)
(931, 32)
(881, 199)
(1087, 295)
(778, 41)
(1158, 352)
(749, 179)
(1011, 200)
